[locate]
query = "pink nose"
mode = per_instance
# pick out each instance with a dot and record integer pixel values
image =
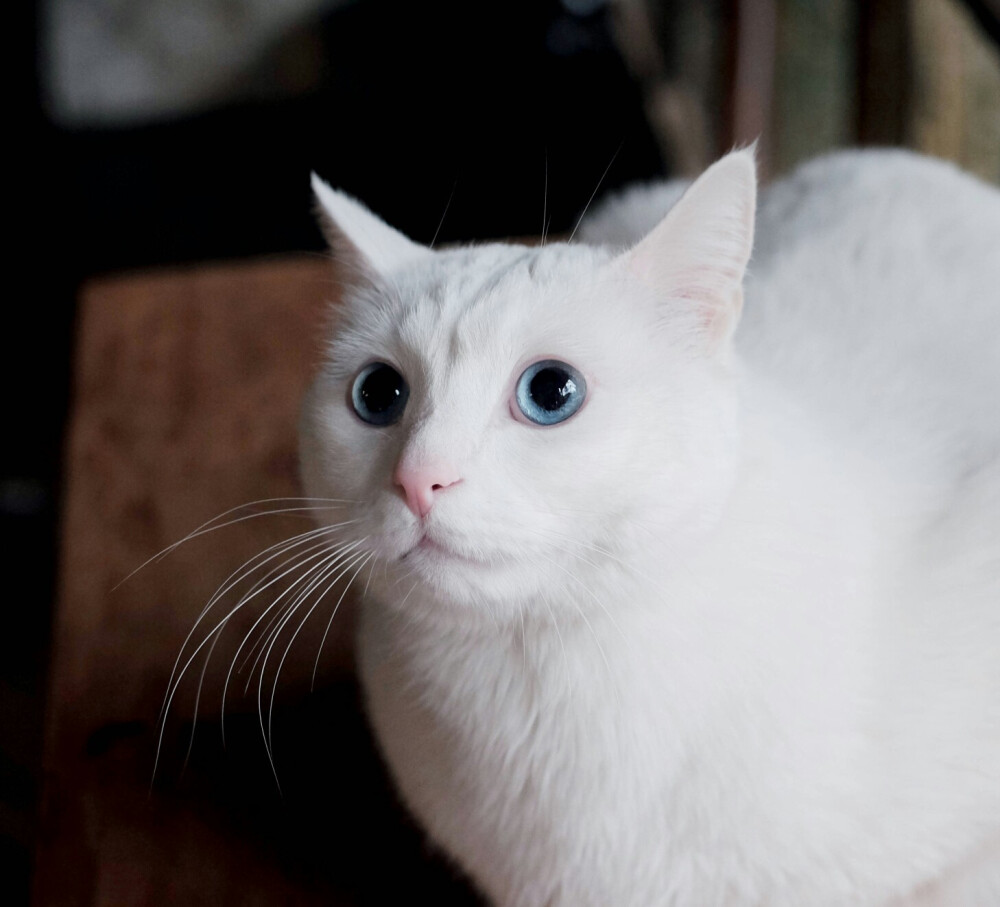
(420, 483)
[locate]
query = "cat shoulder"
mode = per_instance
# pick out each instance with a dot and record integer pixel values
(831, 186)
(880, 183)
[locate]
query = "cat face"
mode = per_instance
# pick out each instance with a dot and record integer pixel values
(504, 422)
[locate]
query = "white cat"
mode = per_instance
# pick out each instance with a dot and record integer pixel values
(666, 614)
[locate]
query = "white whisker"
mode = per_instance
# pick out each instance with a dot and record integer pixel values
(545, 200)
(588, 590)
(444, 214)
(197, 697)
(233, 580)
(302, 587)
(177, 675)
(207, 526)
(329, 623)
(321, 557)
(405, 597)
(586, 208)
(266, 732)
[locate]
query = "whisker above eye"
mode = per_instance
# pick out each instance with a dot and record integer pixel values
(597, 188)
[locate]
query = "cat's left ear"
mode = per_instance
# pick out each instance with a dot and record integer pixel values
(361, 240)
(698, 253)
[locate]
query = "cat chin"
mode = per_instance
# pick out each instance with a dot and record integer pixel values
(431, 579)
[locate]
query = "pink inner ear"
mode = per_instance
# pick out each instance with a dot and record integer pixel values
(699, 251)
(698, 286)
(707, 286)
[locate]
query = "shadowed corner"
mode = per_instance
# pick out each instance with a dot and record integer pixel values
(328, 838)
(335, 829)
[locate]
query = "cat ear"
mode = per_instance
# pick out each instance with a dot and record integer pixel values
(699, 251)
(361, 239)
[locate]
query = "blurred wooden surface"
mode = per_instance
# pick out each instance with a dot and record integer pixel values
(187, 385)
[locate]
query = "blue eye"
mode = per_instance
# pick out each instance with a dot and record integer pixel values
(550, 391)
(379, 394)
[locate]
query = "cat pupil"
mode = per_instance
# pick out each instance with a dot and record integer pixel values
(551, 387)
(380, 390)
(379, 394)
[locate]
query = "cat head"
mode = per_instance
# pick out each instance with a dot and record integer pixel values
(507, 424)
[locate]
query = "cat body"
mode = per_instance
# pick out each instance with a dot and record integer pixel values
(730, 633)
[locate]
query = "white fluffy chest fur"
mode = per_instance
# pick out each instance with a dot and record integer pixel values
(678, 624)
(740, 759)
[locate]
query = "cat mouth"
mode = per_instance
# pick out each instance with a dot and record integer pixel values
(440, 553)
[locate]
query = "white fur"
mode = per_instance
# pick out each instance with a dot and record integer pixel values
(731, 634)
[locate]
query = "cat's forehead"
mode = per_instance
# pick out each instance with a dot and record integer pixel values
(475, 298)
(473, 272)
(460, 281)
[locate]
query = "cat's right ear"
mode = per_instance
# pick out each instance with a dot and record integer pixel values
(697, 255)
(363, 242)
